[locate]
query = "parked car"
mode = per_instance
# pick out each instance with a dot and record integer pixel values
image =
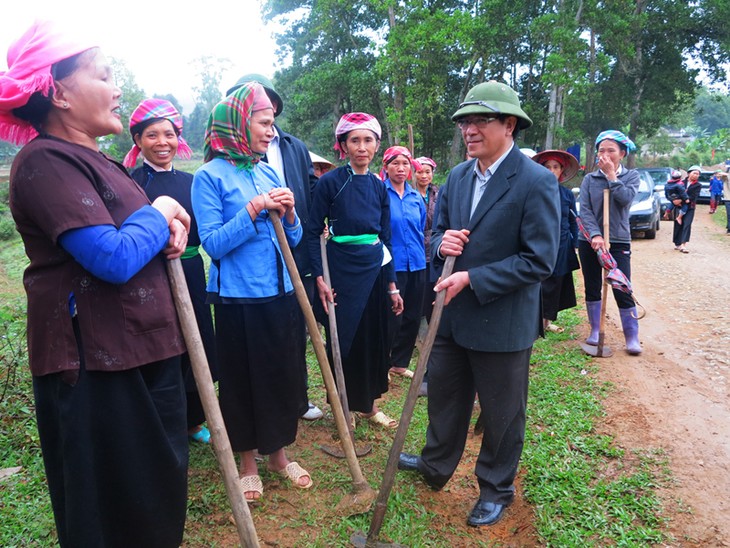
(645, 211)
(660, 176)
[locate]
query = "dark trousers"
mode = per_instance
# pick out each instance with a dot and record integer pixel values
(115, 449)
(593, 271)
(405, 327)
(500, 379)
(727, 210)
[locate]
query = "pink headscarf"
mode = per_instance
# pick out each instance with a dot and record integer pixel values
(393, 152)
(30, 59)
(425, 160)
(355, 120)
(151, 109)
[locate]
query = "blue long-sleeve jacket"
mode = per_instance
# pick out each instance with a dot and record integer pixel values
(247, 262)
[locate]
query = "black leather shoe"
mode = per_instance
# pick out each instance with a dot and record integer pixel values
(485, 513)
(407, 461)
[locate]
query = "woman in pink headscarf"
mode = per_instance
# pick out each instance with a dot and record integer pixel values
(355, 204)
(103, 337)
(156, 128)
(407, 222)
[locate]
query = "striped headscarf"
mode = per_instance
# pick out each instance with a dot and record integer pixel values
(391, 154)
(228, 134)
(30, 60)
(355, 120)
(156, 109)
(425, 160)
(617, 136)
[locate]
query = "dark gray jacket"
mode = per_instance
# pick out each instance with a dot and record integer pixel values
(512, 248)
(591, 204)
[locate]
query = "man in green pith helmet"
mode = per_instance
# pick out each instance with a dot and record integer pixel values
(498, 214)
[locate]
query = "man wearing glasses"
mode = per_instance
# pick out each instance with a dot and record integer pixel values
(498, 214)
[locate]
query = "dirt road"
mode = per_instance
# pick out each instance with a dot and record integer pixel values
(675, 396)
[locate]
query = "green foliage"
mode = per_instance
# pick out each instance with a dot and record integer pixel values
(411, 63)
(211, 71)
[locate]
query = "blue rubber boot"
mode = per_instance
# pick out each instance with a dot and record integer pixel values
(631, 330)
(594, 318)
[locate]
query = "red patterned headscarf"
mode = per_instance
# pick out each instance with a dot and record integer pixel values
(355, 120)
(425, 160)
(30, 59)
(392, 153)
(156, 109)
(228, 134)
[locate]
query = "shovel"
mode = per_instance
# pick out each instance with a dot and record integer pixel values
(199, 363)
(601, 350)
(359, 539)
(362, 496)
(337, 356)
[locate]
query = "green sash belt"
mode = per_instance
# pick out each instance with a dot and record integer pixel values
(359, 239)
(190, 252)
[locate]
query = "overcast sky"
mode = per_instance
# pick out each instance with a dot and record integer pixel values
(158, 44)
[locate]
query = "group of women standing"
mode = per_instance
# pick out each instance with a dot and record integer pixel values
(104, 342)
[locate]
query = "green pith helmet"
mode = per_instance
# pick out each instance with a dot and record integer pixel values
(268, 86)
(493, 98)
(694, 168)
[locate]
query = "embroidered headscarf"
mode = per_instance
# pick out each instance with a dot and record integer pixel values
(156, 109)
(30, 59)
(568, 162)
(425, 160)
(617, 136)
(229, 127)
(391, 154)
(355, 120)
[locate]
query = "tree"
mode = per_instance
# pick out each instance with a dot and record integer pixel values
(579, 66)
(712, 110)
(211, 71)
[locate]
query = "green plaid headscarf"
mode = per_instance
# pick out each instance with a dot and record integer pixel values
(228, 132)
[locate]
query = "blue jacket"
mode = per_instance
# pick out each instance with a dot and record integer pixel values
(715, 186)
(246, 260)
(407, 222)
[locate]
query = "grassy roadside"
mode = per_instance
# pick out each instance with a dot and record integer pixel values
(582, 489)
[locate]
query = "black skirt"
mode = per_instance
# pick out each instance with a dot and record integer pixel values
(115, 448)
(261, 372)
(558, 293)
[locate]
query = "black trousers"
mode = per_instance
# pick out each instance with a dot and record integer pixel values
(593, 271)
(405, 327)
(115, 449)
(500, 379)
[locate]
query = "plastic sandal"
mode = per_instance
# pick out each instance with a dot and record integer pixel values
(382, 419)
(201, 436)
(552, 328)
(252, 484)
(293, 472)
(402, 372)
